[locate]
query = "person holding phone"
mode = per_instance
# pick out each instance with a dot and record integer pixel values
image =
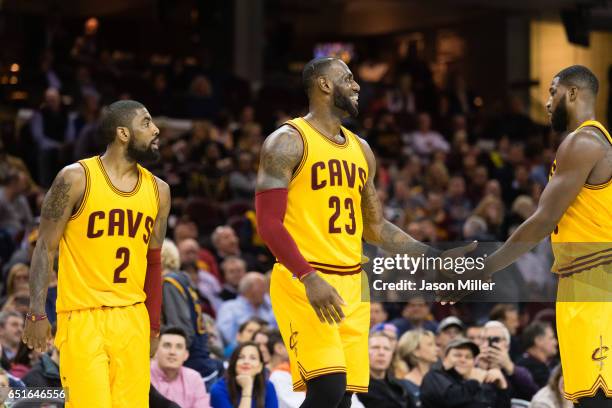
(495, 353)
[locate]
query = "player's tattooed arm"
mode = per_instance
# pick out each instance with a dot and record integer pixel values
(161, 222)
(281, 153)
(63, 197)
(376, 229)
(576, 158)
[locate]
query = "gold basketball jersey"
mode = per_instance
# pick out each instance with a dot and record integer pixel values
(584, 234)
(324, 200)
(103, 251)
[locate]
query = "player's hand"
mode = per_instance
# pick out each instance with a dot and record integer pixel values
(324, 299)
(458, 252)
(36, 334)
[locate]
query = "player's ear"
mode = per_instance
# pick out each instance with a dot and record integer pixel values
(324, 84)
(572, 93)
(123, 134)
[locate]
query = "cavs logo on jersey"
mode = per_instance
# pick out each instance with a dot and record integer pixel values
(103, 252)
(600, 353)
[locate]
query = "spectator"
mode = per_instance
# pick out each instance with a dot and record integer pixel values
(551, 396)
(474, 333)
(508, 314)
(450, 328)
(242, 180)
(244, 385)
(49, 127)
(234, 269)
(261, 338)
(226, 243)
(208, 286)
(280, 374)
(23, 361)
(18, 281)
(541, 345)
(458, 383)
(252, 301)
(415, 315)
(426, 141)
(168, 375)
(246, 332)
(418, 349)
(494, 353)
(15, 213)
(378, 314)
(181, 308)
(388, 330)
(11, 329)
(384, 390)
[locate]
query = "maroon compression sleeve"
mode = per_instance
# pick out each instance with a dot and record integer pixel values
(153, 289)
(270, 208)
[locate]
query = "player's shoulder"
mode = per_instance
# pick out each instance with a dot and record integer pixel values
(584, 140)
(162, 187)
(285, 141)
(73, 174)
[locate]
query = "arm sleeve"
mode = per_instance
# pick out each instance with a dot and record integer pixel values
(153, 289)
(270, 208)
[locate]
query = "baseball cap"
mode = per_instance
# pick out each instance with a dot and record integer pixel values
(462, 343)
(448, 322)
(381, 327)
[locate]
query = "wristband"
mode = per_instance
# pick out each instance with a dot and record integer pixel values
(301, 278)
(33, 317)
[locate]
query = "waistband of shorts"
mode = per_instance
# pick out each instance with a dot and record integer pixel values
(102, 307)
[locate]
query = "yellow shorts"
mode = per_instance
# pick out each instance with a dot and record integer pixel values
(317, 348)
(585, 333)
(104, 356)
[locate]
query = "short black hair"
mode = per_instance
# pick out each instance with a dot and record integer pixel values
(314, 69)
(274, 337)
(117, 114)
(176, 331)
(533, 331)
(500, 311)
(252, 319)
(580, 76)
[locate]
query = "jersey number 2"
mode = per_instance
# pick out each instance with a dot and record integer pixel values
(335, 203)
(124, 254)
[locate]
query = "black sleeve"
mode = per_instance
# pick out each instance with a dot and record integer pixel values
(440, 391)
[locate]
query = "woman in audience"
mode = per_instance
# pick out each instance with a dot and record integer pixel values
(244, 385)
(551, 396)
(418, 350)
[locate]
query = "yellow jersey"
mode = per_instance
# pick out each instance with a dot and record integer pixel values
(103, 251)
(582, 239)
(324, 200)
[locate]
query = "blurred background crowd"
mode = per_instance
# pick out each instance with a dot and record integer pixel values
(456, 123)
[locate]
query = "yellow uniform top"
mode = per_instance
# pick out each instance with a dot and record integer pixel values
(584, 233)
(103, 251)
(324, 200)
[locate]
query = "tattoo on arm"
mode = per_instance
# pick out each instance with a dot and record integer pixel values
(281, 153)
(42, 261)
(57, 200)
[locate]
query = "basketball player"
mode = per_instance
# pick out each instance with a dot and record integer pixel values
(576, 210)
(107, 215)
(315, 202)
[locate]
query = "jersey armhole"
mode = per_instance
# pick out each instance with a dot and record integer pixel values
(300, 165)
(156, 190)
(81, 207)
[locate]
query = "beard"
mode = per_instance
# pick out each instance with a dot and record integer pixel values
(140, 155)
(344, 103)
(559, 117)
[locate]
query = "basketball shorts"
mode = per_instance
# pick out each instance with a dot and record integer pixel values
(104, 356)
(584, 328)
(317, 348)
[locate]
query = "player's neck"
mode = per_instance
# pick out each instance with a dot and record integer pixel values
(325, 121)
(114, 161)
(580, 118)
